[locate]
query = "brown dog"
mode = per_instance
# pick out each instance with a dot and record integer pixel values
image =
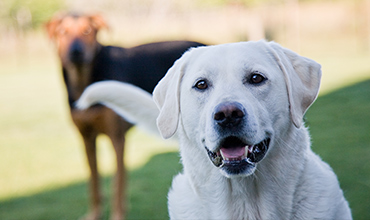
(85, 61)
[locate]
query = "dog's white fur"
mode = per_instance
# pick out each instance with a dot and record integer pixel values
(290, 182)
(121, 97)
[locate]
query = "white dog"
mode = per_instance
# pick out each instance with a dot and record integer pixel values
(237, 110)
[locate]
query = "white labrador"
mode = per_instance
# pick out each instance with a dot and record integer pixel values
(237, 110)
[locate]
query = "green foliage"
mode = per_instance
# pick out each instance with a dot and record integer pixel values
(27, 14)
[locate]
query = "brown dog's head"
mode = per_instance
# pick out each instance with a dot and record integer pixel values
(75, 36)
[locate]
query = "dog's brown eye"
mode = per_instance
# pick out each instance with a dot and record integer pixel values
(87, 31)
(256, 78)
(62, 31)
(201, 85)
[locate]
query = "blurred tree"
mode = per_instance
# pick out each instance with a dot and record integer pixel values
(23, 15)
(362, 23)
(245, 3)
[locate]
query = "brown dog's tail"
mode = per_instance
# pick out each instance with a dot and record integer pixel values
(130, 102)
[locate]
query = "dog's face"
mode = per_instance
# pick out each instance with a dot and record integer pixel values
(75, 36)
(234, 100)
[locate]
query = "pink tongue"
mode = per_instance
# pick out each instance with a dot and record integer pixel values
(234, 152)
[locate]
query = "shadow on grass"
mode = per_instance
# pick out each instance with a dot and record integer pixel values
(147, 195)
(340, 127)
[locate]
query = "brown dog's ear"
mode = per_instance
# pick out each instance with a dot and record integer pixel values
(52, 25)
(302, 77)
(98, 21)
(167, 97)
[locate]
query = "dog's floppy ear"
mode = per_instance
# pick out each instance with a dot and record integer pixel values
(302, 77)
(52, 25)
(167, 97)
(98, 21)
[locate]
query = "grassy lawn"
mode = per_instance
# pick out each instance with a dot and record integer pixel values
(148, 187)
(340, 128)
(42, 164)
(43, 171)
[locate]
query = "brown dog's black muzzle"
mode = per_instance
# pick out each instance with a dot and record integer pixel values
(76, 52)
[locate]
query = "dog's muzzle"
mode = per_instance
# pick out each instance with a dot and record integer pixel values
(234, 152)
(234, 155)
(76, 52)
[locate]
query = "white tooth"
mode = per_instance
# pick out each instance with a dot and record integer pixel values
(222, 155)
(246, 151)
(250, 148)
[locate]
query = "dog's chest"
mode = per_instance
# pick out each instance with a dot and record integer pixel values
(225, 200)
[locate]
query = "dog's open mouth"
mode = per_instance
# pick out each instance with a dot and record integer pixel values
(234, 152)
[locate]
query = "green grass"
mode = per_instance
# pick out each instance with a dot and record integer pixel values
(43, 172)
(340, 129)
(146, 198)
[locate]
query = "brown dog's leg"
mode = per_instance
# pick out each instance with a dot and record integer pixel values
(119, 185)
(95, 206)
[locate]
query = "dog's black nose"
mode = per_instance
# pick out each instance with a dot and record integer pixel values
(76, 52)
(229, 114)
